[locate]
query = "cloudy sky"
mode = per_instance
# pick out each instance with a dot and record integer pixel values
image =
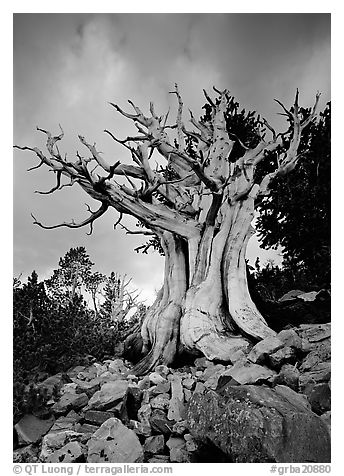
(67, 67)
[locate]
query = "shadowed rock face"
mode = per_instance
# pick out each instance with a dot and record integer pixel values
(259, 424)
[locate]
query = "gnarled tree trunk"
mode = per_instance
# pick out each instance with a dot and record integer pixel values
(200, 207)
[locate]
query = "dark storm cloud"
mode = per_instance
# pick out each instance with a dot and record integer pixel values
(67, 67)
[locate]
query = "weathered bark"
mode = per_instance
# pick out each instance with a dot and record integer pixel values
(160, 329)
(201, 208)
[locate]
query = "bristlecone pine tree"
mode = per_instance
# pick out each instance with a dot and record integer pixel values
(200, 206)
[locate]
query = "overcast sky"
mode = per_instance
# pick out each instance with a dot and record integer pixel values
(67, 67)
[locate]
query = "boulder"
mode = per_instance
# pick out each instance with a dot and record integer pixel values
(322, 353)
(109, 394)
(179, 428)
(67, 422)
(162, 370)
(285, 355)
(30, 429)
(265, 347)
(88, 387)
(312, 334)
(154, 445)
(320, 398)
(176, 405)
(178, 451)
(114, 443)
(290, 338)
(161, 401)
(160, 423)
(97, 417)
(291, 295)
(245, 372)
(160, 388)
(326, 418)
(86, 428)
(253, 424)
(54, 441)
(288, 375)
(190, 443)
(52, 385)
(70, 401)
(189, 383)
(155, 378)
(320, 373)
(159, 459)
(72, 452)
(26, 454)
(187, 394)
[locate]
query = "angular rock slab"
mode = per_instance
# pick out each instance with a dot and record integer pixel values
(114, 443)
(109, 394)
(30, 429)
(255, 424)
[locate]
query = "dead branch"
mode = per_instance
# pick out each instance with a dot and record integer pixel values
(72, 224)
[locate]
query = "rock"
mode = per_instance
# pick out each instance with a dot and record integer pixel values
(286, 355)
(73, 372)
(160, 388)
(70, 453)
(114, 443)
(294, 398)
(288, 375)
(145, 383)
(70, 401)
(64, 423)
(159, 459)
(189, 383)
(187, 394)
(55, 441)
(213, 381)
(322, 353)
(161, 401)
(258, 424)
(97, 417)
(140, 428)
(190, 443)
(109, 394)
(200, 388)
(89, 388)
(201, 363)
(160, 423)
(246, 373)
(314, 333)
(178, 451)
(309, 297)
(176, 405)
(26, 454)
(68, 388)
(179, 428)
(162, 370)
(320, 398)
(117, 366)
(290, 338)
(154, 445)
(291, 295)
(326, 418)
(212, 370)
(30, 429)
(156, 378)
(265, 347)
(143, 415)
(52, 385)
(320, 373)
(133, 401)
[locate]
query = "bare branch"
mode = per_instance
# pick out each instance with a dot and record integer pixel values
(208, 98)
(96, 155)
(57, 186)
(118, 221)
(138, 232)
(72, 224)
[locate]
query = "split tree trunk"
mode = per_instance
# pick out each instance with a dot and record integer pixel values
(205, 305)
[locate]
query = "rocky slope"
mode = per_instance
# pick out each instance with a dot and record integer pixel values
(271, 405)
